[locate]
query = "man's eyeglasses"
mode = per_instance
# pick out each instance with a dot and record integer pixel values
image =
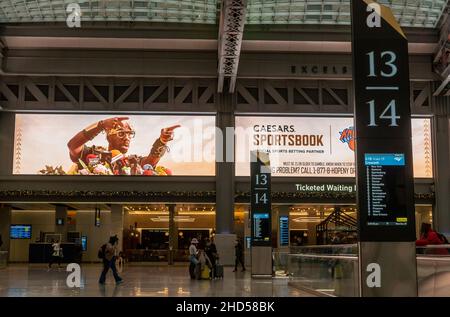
(121, 134)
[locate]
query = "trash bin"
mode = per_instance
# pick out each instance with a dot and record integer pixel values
(3, 259)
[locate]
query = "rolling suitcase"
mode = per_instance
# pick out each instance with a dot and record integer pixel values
(218, 271)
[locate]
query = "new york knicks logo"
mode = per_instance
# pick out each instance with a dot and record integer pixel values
(348, 136)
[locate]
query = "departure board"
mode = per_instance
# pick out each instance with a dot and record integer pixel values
(385, 208)
(284, 231)
(261, 227)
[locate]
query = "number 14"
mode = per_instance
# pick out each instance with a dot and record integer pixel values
(391, 107)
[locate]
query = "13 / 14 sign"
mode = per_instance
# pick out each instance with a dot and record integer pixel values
(382, 124)
(260, 198)
(381, 73)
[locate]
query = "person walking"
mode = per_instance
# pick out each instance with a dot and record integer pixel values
(56, 254)
(109, 252)
(239, 253)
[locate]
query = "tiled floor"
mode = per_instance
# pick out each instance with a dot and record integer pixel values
(35, 280)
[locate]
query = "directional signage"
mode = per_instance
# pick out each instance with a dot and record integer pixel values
(382, 125)
(261, 199)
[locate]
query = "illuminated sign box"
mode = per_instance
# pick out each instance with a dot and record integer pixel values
(316, 146)
(114, 145)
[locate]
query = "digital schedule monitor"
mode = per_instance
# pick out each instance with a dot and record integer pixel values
(84, 243)
(284, 231)
(261, 227)
(384, 208)
(20, 232)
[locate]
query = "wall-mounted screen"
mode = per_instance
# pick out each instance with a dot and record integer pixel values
(284, 231)
(84, 243)
(316, 146)
(144, 145)
(20, 232)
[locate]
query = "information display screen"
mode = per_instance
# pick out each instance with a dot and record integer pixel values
(20, 232)
(284, 231)
(261, 227)
(84, 243)
(248, 242)
(385, 208)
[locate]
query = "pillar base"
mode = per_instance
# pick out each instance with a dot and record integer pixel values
(225, 247)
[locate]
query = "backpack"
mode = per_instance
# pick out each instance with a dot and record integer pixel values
(101, 252)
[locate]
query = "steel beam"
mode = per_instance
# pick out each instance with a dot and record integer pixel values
(231, 30)
(442, 57)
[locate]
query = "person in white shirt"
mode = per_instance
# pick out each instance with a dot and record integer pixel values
(193, 251)
(193, 261)
(56, 254)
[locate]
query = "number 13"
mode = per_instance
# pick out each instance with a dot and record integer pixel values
(390, 63)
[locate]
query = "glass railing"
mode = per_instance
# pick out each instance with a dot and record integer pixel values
(329, 270)
(333, 270)
(280, 263)
(433, 270)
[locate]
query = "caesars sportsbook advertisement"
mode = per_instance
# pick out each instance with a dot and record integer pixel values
(315, 146)
(141, 145)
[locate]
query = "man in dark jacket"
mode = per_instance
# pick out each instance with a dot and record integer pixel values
(211, 251)
(239, 252)
(109, 260)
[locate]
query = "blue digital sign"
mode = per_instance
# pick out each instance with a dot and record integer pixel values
(20, 232)
(84, 243)
(391, 159)
(284, 231)
(261, 227)
(248, 241)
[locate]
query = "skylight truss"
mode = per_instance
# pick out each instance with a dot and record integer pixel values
(410, 13)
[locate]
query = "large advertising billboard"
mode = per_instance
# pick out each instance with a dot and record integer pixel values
(316, 146)
(81, 144)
